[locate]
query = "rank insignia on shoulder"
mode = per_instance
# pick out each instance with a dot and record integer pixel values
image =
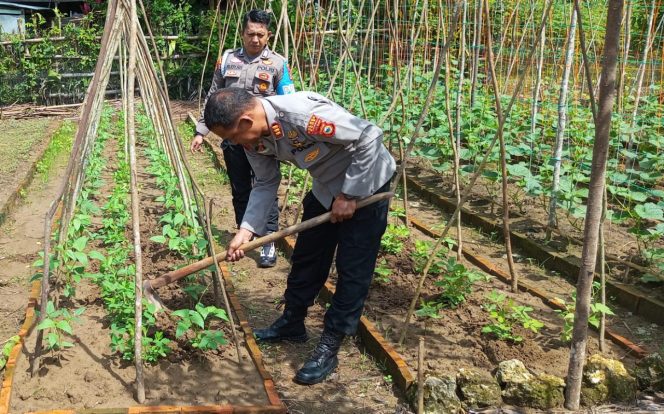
(276, 130)
(312, 155)
(292, 134)
(319, 126)
(262, 86)
(217, 65)
(267, 62)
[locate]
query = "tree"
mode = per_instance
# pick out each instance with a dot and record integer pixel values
(594, 211)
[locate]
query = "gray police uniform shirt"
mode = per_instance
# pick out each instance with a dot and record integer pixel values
(343, 153)
(264, 75)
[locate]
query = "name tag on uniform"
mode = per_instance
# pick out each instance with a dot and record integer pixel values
(311, 154)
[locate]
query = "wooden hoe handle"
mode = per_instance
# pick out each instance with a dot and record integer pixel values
(178, 274)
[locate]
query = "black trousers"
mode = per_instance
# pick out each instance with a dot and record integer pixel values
(241, 176)
(356, 242)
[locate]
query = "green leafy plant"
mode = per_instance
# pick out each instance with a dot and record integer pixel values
(457, 282)
(430, 309)
(194, 320)
(567, 314)
(506, 315)
(394, 238)
(6, 349)
(382, 272)
(57, 324)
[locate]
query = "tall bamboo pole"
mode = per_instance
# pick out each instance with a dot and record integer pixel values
(552, 222)
(135, 202)
(503, 155)
(594, 210)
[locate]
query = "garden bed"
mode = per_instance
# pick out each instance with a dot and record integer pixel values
(91, 374)
(563, 253)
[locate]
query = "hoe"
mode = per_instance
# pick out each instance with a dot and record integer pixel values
(150, 286)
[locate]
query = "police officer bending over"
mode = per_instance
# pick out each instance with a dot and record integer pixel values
(260, 71)
(346, 157)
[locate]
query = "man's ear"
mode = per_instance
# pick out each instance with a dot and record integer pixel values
(245, 122)
(269, 34)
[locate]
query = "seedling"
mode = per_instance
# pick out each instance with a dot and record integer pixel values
(194, 321)
(57, 324)
(505, 315)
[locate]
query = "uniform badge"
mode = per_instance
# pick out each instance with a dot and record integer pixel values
(318, 126)
(263, 76)
(276, 130)
(262, 86)
(312, 155)
(267, 61)
(232, 73)
(292, 134)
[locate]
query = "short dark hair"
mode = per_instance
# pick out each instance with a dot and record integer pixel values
(256, 16)
(225, 106)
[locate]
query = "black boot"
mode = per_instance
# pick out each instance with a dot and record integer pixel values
(323, 360)
(289, 327)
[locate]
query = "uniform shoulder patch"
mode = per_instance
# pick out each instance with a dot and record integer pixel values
(276, 130)
(319, 126)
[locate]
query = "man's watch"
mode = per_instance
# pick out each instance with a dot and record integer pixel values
(350, 197)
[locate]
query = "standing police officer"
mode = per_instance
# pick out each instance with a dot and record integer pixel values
(346, 157)
(261, 72)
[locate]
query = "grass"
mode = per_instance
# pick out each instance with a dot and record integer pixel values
(60, 142)
(17, 141)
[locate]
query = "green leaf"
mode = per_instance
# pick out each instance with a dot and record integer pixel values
(65, 327)
(96, 256)
(82, 258)
(158, 239)
(80, 243)
(649, 211)
(46, 324)
(197, 319)
(52, 340)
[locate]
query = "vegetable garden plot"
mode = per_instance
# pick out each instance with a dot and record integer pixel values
(90, 331)
(626, 278)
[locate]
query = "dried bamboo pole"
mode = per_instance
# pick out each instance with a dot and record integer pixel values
(503, 155)
(456, 143)
(222, 286)
(552, 222)
(135, 202)
(477, 41)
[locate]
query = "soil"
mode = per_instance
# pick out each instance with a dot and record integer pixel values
(89, 375)
(21, 238)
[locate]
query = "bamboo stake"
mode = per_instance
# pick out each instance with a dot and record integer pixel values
(135, 201)
(503, 155)
(560, 130)
(222, 285)
(420, 376)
